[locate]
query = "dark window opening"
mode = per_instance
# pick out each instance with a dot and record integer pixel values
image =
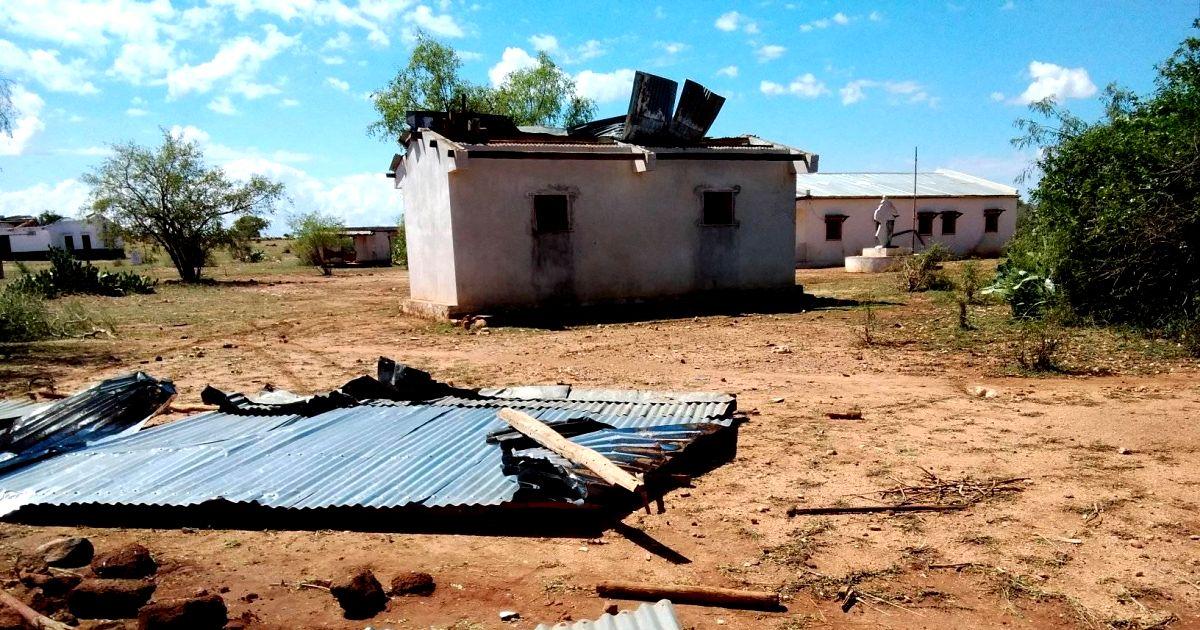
(87, 241)
(925, 223)
(833, 227)
(950, 222)
(551, 214)
(991, 220)
(718, 207)
(5, 247)
(69, 241)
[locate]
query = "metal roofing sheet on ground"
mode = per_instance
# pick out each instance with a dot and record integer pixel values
(659, 616)
(940, 183)
(369, 456)
(18, 408)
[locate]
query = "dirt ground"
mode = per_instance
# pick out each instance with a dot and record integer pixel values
(1106, 532)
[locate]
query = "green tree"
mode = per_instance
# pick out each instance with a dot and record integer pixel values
(168, 195)
(318, 239)
(541, 95)
(1114, 222)
(49, 216)
(242, 234)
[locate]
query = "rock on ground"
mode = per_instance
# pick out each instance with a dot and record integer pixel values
(201, 613)
(67, 552)
(109, 599)
(360, 594)
(412, 583)
(128, 562)
(52, 584)
(10, 620)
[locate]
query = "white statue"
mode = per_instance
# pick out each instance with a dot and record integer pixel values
(885, 222)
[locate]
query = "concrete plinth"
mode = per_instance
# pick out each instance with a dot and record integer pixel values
(878, 259)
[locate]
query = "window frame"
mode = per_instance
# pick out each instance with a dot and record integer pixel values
(991, 217)
(925, 215)
(733, 191)
(950, 217)
(561, 191)
(835, 219)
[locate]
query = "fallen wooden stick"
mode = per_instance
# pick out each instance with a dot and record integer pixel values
(686, 594)
(871, 509)
(603, 467)
(853, 414)
(32, 617)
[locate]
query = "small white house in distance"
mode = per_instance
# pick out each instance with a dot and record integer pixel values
(371, 245)
(834, 213)
(85, 238)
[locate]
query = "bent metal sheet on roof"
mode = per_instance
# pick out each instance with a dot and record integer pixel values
(379, 454)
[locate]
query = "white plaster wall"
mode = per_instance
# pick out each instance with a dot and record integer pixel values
(858, 231)
(32, 239)
(42, 238)
(634, 235)
(427, 223)
(373, 247)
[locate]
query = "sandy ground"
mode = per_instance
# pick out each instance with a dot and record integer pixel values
(1105, 534)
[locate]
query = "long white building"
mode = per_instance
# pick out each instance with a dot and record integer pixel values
(21, 238)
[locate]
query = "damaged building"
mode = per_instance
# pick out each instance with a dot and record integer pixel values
(640, 206)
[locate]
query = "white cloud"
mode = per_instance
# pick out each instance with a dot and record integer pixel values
(469, 55)
(141, 62)
(333, 60)
(839, 18)
(997, 96)
(341, 41)
(728, 71)
(136, 112)
(44, 67)
(511, 60)
(732, 21)
(1052, 80)
(875, 16)
(672, 48)
(68, 196)
(545, 42)
(590, 49)
(605, 87)
(897, 92)
(289, 102)
(222, 105)
(769, 52)
(337, 84)
(804, 86)
(27, 121)
(443, 24)
(87, 23)
(240, 57)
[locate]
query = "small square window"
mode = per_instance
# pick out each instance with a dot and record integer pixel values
(991, 220)
(718, 207)
(833, 227)
(551, 214)
(925, 223)
(950, 222)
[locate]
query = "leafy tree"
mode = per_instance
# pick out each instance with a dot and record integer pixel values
(242, 233)
(1115, 219)
(49, 216)
(318, 240)
(542, 95)
(170, 196)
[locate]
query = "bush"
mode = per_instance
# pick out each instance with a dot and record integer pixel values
(25, 316)
(400, 248)
(68, 275)
(1028, 294)
(318, 240)
(1038, 347)
(923, 272)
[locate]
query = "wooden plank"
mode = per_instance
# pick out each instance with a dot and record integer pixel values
(31, 616)
(688, 594)
(537, 431)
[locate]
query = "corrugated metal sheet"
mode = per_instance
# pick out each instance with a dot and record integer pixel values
(18, 408)
(940, 183)
(383, 456)
(660, 616)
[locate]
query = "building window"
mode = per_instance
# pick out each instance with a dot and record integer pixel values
(551, 214)
(991, 220)
(950, 221)
(717, 207)
(925, 223)
(87, 241)
(69, 242)
(833, 226)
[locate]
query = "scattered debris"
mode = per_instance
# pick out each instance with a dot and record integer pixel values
(850, 414)
(360, 594)
(979, 391)
(29, 615)
(412, 583)
(1124, 451)
(937, 490)
(129, 562)
(109, 599)
(67, 553)
(659, 616)
(871, 509)
(51, 583)
(205, 612)
(509, 615)
(689, 594)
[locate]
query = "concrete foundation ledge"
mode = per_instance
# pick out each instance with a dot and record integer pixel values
(429, 310)
(873, 264)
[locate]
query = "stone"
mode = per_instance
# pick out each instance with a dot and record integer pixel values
(128, 562)
(610, 608)
(200, 613)
(1124, 451)
(52, 584)
(412, 583)
(109, 599)
(10, 620)
(509, 615)
(67, 553)
(360, 594)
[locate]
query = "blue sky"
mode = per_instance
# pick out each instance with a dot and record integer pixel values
(281, 87)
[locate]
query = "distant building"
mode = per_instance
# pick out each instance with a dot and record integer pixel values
(966, 214)
(498, 216)
(21, 238)
(370, 245)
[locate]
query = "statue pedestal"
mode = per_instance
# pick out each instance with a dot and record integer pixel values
(878, 259)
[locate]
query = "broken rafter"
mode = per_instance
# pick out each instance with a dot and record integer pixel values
(603, 467)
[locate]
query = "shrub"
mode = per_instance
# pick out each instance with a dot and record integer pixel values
(400, 248)
(1038, 347)
(68, 275)
(318, 240)
(1028, 294)
(923, 272)
(26, 316)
